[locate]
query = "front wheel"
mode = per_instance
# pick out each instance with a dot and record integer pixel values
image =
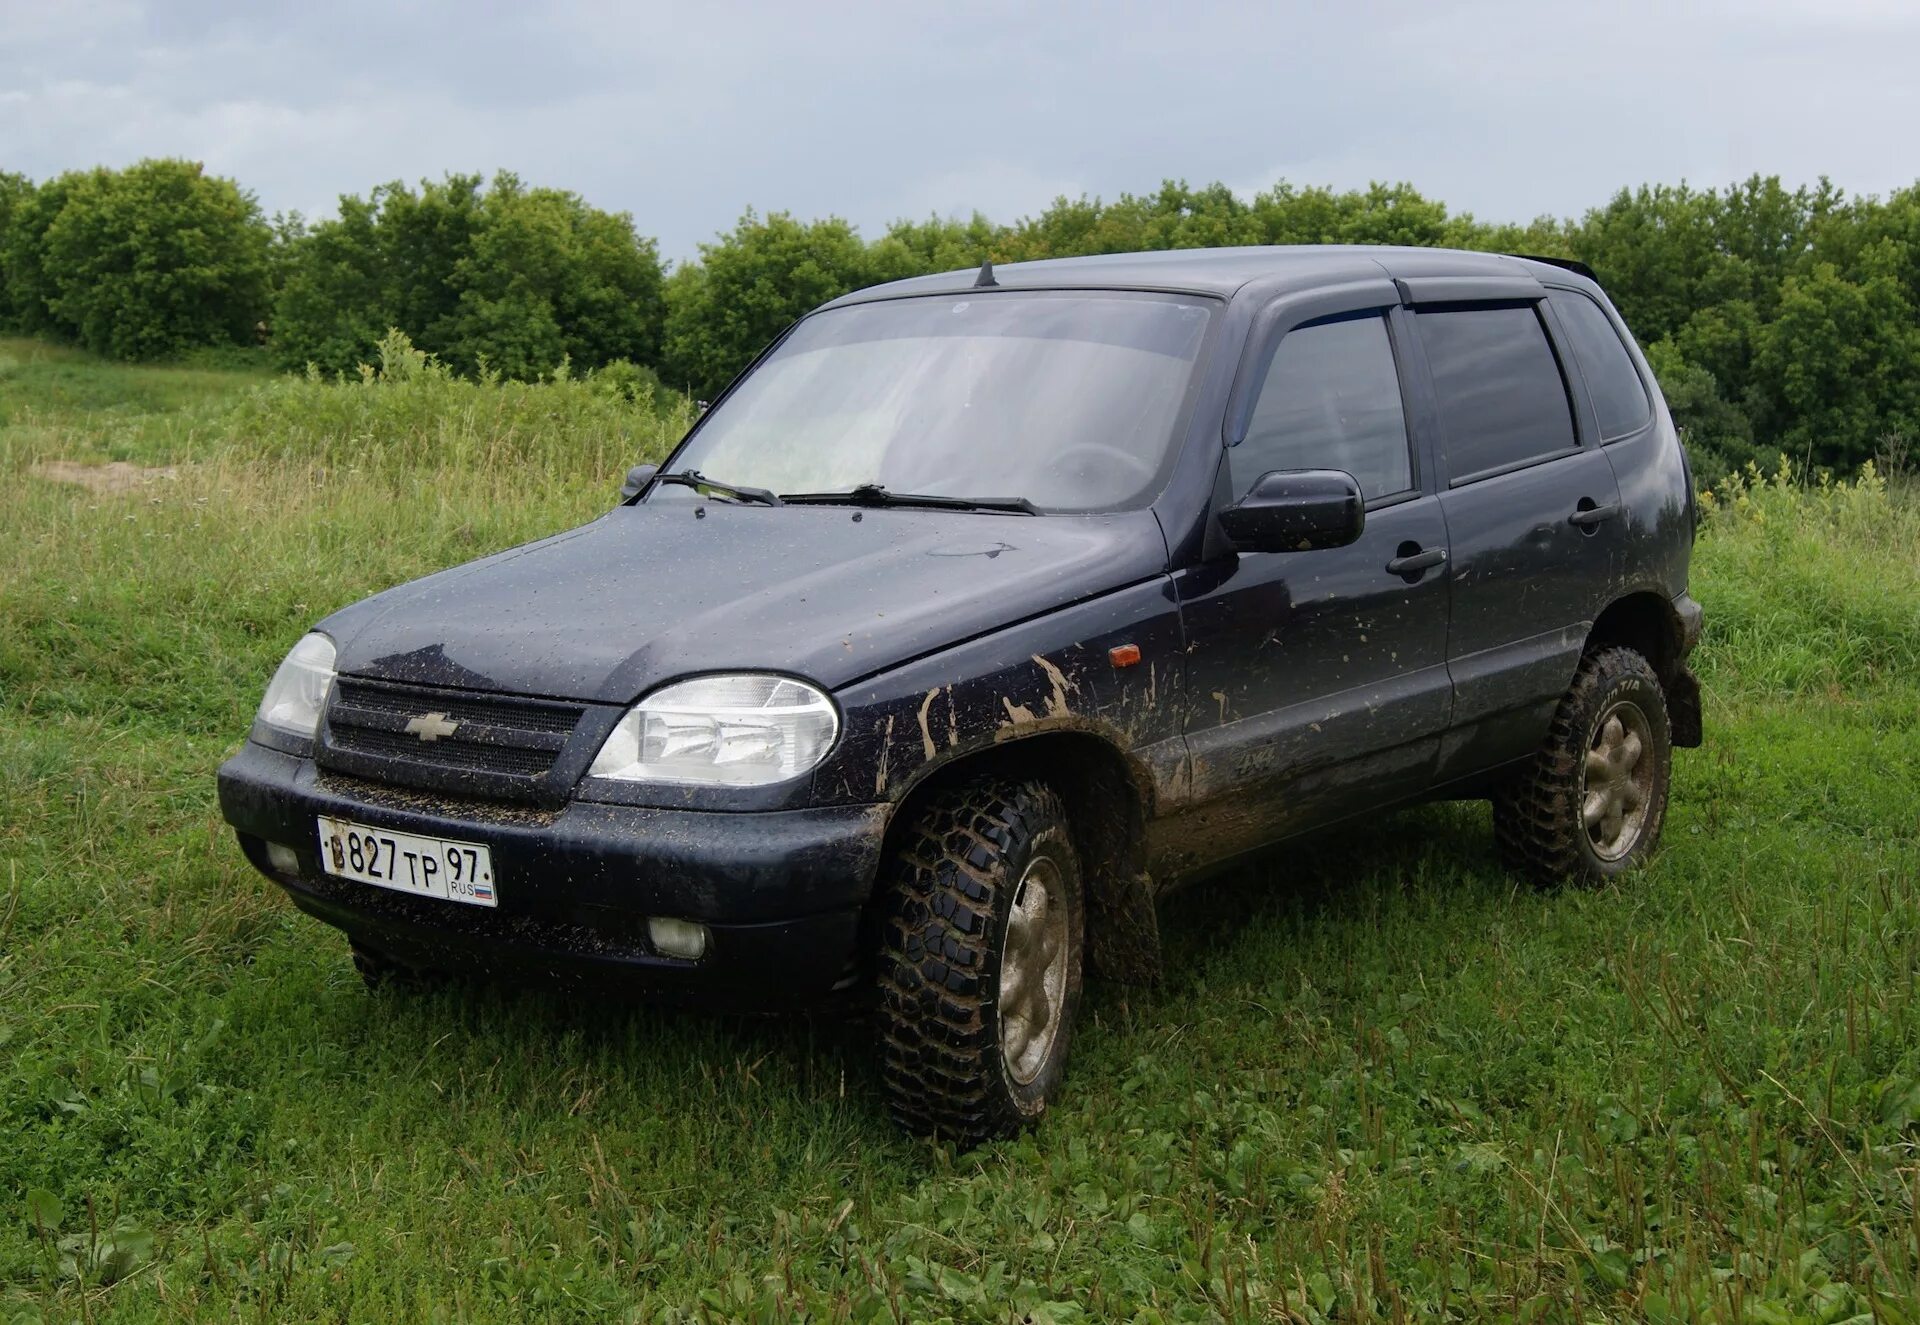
(1590, 803)
(980, 961)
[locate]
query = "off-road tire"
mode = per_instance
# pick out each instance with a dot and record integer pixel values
(948, 894)
(1539, 824)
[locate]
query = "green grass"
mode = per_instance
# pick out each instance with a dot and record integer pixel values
(1380, 1082)
(122, 409)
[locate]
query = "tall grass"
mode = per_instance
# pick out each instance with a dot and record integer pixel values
(410, 412)
(1380, 1082)
(1816, 585)
(404, 413)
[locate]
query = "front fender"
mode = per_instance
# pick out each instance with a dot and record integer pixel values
(1056, 672)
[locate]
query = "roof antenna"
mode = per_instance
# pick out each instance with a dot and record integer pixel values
(985, 279)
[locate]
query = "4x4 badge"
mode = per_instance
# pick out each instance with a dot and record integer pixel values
(431, 726)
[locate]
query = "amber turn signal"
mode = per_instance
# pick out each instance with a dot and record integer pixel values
(1124, 655)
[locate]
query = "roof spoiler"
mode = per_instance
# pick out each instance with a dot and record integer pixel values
(1573, 265)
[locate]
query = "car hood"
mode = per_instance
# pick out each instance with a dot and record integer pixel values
(666, 589)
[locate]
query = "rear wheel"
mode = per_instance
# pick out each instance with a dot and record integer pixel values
(980, 961)
(1591, 802)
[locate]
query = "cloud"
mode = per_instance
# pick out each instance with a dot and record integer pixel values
(684, 115)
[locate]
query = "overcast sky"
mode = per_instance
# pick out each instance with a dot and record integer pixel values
(685, 114)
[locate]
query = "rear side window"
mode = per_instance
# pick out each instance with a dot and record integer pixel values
(1330, 400)
(1619, 397)
(1501, 397)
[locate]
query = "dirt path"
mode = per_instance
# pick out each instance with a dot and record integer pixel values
(113, 477)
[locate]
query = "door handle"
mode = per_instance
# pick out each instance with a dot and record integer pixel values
(1412, 563)
(1588, 516)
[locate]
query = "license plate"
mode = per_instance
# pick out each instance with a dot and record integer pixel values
(423, 866)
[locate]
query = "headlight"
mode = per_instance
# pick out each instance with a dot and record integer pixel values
(734, 731)
(299, 689)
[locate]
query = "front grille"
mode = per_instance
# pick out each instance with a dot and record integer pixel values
(414, 734)
(447, 753)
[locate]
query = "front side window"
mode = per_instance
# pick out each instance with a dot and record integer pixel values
(1498, 386)
(1620, 403)
(1330, 400)
(1070, 400)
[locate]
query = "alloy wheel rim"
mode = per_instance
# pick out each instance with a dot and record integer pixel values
(1616, 789)
(1033, 971)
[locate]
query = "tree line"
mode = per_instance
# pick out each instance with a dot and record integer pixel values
(1778, 320)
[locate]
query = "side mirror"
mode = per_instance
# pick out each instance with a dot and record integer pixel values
(1296, 510)
(637, 478)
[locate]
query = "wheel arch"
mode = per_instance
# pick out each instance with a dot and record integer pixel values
(1648, 623)
(1108, 800)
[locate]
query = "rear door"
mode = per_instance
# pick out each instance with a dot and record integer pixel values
(1317, 679)
(1532, 514)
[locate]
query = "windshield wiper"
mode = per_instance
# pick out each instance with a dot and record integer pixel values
(693, 478)
(872, 494)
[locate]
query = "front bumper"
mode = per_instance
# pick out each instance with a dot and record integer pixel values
(781, 892)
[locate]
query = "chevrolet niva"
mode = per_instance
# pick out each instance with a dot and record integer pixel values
(985, 607)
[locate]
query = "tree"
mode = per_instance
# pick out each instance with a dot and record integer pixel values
(545, 278)
(30, 289)
(335, 300)
(16, 191)
(1175, 216)
(1767, 233)
(1836, 367)
(917, 248)
(1720, 338)
(1717, 433)
(387, 260)
(514, 278)
(1543, 237)
(151, 260)
(751, 285)
(1210, 217)
(1658, 254)
(1777, 318)
(1843, 234)
(1383, 214)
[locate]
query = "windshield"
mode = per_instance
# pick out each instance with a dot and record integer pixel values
(1067, 400)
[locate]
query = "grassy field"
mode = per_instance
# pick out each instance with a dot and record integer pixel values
(1380, 1082)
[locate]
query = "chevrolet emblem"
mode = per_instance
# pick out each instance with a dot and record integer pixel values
(431, 726)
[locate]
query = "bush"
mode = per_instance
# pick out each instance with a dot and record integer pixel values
(512, 280)
(140, 263)
(627, 382)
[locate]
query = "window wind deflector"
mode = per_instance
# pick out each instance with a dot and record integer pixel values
(872, 494)
(693, 478)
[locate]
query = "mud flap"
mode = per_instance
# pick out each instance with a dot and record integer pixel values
(1683, 708)
(1124, 932)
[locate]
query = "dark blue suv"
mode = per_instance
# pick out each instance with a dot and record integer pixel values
(983, 609)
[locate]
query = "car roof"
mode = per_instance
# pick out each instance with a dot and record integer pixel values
(1223, 271)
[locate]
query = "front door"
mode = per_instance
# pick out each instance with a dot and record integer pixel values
(1317, 680)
